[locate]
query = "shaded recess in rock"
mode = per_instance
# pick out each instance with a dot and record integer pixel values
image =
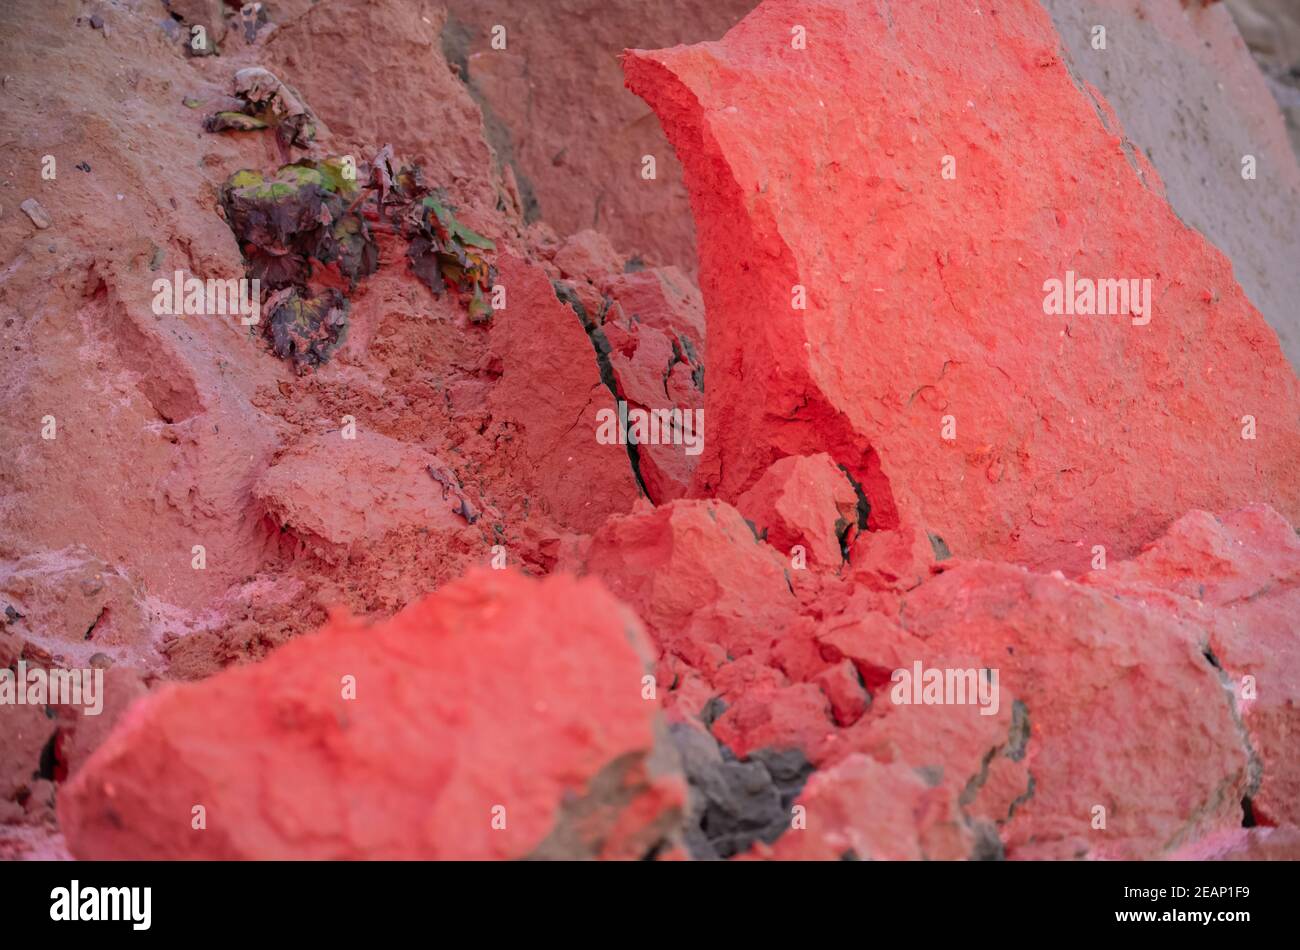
(734, 803)
(455, 48)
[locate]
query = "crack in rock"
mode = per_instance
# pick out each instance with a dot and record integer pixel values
(600, 343)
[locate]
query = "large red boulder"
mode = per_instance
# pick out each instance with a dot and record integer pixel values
(1237, 581)
(1102, 682)
(884, 195)
(500, 718)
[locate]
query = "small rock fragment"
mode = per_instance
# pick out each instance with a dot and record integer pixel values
(33, 209)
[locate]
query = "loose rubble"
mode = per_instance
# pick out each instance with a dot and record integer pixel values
(953, 575)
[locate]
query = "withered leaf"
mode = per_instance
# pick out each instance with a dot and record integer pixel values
(233, 122)
(309, 329)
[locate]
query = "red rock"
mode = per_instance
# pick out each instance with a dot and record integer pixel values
(338, 495)
(122, 687)
(549, 392)
(642, 360)
(1124, 688)
(865, 810)
(874, 644)
(375, 73)
(1246, 844)
(821, 168)
(806, 501)
(661, 297)
(1204, 58)
(654, 323)
(586, 255)
(1237, 581)
(790, 717)
(24, 733)
(73, 606)
(898, 559)
(497, 691)
(707, 590)
(798, 654)
(574, 137)
(1104, 681)
(844, 689)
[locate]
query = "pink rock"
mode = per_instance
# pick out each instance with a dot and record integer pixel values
(1246, 844)
(24, 733)
(898, 559)
(587, 255)
(336, 494)
(549, 393)
(866, 810)
(789, 717)
(806, 501)
(816, 173)
(1196, 48)
(1236, 580)
(843, 687)
(708, 591)
(661, 297)
(352, 62)
(1103, 681)
(642, 360)
(573, 135)
(499, 698)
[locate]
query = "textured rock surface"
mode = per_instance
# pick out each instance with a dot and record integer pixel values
(498, 691)
(1144, 708)
(866, 810)
(705, 587)
(803, 500)
(1272, 30)
(925, 296)
(366, 93)
(581, 166)
(1237, 581)
(1190, 97)
(1145, 684)
(373, 486)
(550, 387)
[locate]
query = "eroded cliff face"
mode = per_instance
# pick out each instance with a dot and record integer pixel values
(381, 573)
(879, 270)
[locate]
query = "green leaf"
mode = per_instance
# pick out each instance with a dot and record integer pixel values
(479, 310)
(472, 238)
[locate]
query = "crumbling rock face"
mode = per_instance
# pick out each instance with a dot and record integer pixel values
(499, 696)
(864, 305)
(550, 384)
(1146, 683)
(443, 133)
(867, 810)
(1191, 99)
(582, 166)
(796, 499)
(888, 475)
(374, 486)
(1235, 581)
